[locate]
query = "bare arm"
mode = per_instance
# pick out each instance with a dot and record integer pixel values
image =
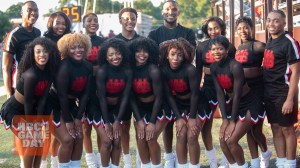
(7, 63)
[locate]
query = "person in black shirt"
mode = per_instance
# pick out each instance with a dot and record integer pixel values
(146, 100)
(237, 120)
(127, 18)
(69, 97)
(113, 80)
(181, 84)
(281, 69)
(171, 29)
(58, 25)
(250, 54)
(15, 42)
(36, 72)
(91, 25)
(212, 27)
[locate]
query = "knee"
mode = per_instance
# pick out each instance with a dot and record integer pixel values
(79, 137)
(107, 143)
(193, 140)
(181, 138)
(231, 143)
(117, 143)
(67, 141)
(288, 130)
(152, 142)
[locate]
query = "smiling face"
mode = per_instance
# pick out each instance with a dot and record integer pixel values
(218, 51)
(213, 29)
(59, 26)
(91, 24)
(77, 52)
(170, 12)
(141, 57)
(114, 57)
(41, 56)
(175, 57)
(29, 13)
(128, 21)
(275, 24)
(244, 31)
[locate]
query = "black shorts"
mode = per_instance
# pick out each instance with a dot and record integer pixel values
(274, 111)
(56, 108)
(210, 94)
(209, 90)
(128, 113)
(93, 113)
(184, 108)
(9, 109)
(257, 86)
(145, 110)
(250, 102)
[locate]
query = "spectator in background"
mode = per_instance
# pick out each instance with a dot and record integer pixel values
(111, 34)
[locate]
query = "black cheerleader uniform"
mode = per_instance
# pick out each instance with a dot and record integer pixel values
(113, 82)
(223, 76)
(143, 86)
(250, 54)
(179, 82)
(34, 85)
(69, 94)
(204, 58)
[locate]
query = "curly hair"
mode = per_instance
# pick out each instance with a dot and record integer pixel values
(68, 40)
(214, 19)
(244, 19)
(220, 40)
(28, 61)
(119, 45)
(147, 45)
(53, 16)
(182, 44)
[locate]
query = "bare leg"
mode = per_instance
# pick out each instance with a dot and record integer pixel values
(193, 145)
(126, 136)
(181, 146)
(106, 146)
(279, 140)
(87, 140)
(168, 137)
(154, 147)
(116, 151)
(240, 130)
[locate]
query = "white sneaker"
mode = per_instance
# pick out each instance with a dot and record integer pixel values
(224, 166)
(127, 161)
(170, 160)
(265, 161)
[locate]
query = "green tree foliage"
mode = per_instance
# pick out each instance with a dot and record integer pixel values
(5, 24)
(14, 11)
(146, 7)
(193, 12)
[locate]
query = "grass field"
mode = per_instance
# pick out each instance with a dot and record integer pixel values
(9, 160)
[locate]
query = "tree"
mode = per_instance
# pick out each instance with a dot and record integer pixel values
(194, 12)
(14, 11)
(5, 24)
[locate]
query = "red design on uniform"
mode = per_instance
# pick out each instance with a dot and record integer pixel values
(79, 84)
(242, 56)
(177, 85)
(224, 81)
(40, 88)
(115, 85)
(209, 58)
(93, 55)
(141, 86)
(269, 57)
